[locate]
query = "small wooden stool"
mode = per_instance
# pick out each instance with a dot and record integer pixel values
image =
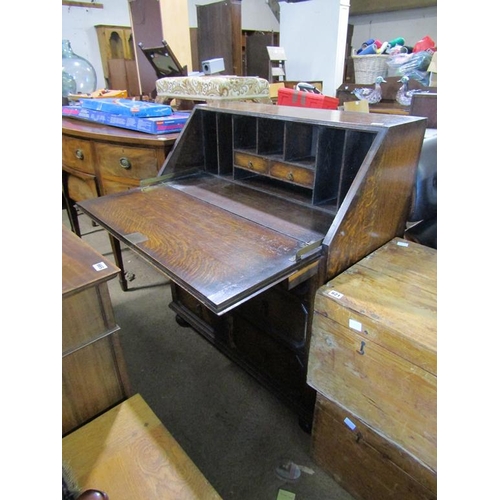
(129, 454)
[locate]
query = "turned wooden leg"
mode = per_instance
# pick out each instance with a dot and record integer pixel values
(70, 208)
(115, 245)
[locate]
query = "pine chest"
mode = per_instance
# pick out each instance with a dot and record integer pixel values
(374, 345)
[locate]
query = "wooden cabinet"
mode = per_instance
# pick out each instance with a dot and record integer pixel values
(219, 35)
(94, 377)
(116, 45)
(374, 348)
(254, 209)
(99, 159)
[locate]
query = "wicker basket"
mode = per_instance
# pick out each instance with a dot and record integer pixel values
(367, 68)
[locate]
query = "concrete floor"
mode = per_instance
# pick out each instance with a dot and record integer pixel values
(234, 430)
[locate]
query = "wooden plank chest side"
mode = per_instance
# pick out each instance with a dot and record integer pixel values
(373, 345)
(364, 462)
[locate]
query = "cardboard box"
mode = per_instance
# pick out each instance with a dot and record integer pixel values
(128, 107)
(298, 98)
(154, 125)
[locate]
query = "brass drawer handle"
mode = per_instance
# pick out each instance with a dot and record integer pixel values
(250, 164)
(79, 154)
(289, 176)
(125, 163)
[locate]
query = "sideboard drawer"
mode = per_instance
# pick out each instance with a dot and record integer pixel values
(82, 187)
(127, 162)
(77, 154)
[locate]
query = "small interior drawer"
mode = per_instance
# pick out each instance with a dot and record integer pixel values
(251, 162)
(291, 173)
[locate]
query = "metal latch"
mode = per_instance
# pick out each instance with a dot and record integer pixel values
(307, 248)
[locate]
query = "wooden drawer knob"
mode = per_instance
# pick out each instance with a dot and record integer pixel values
(250, 164)
(289, 176)
(79, 154)
(125, 163)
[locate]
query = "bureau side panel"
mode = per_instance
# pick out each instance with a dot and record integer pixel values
(378, 202)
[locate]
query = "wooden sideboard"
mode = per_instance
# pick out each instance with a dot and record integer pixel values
(255, 208)
(94, 377)
(98, 160)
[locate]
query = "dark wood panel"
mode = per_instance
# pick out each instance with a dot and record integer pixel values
(146, 24)
(257, 58)
(278, 214)
(219, 34)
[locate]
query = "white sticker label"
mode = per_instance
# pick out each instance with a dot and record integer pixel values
(335, 294)
(355, 325)
(349, 424)
(402, 243)
(100, 266)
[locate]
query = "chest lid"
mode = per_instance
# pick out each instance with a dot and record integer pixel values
(389, 297)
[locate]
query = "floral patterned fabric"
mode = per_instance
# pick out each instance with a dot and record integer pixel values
(205, 88)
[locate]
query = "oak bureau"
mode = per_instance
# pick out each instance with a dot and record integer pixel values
(254, 209)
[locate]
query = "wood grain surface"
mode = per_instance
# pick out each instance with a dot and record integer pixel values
(374, 344)
(217, 255)
(78, 260)
(130, 455)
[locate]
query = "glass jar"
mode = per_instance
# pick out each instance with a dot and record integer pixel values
(78, 75)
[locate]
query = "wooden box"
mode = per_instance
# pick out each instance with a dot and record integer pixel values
(373, 344)
(364, 462)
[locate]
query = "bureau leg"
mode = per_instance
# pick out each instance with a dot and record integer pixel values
(70, 208)
(115, 245)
